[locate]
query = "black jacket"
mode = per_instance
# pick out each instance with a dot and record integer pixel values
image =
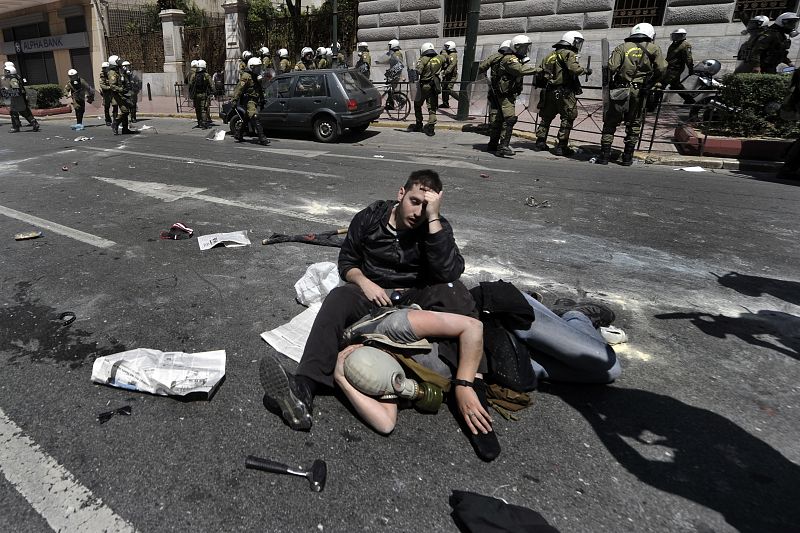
(412, 258)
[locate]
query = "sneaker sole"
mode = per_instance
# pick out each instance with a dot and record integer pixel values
(276, 386)
(366, 326)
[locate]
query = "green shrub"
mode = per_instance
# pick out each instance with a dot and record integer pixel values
(756, 99)
(48, 95)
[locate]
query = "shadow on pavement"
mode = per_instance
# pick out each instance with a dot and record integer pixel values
(749, 327)
(693, 453)
(788, 291)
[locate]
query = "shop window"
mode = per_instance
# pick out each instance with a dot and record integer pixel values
(628, 13)
(455, 18)
(747, 9)
(75, 24)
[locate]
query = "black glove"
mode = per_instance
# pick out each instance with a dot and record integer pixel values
(588, 71)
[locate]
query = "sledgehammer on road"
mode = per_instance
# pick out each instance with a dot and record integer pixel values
(316, 475)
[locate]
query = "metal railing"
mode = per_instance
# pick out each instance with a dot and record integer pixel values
(185, 104)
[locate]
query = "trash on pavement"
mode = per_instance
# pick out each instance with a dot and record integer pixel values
(530, 201)
(66, 319)
(161, 373)
(484, 175)
(476, 512)
(613, 334)
(65, 168)
(27, 236)
(105, 417)
(77, 127)
(233, 239)
(325, 238)
(378, 156)
(691, 169)
(83, 138)
(177, 232)
(316, 474)
(216, 135)
(146, 127)
(290, 338)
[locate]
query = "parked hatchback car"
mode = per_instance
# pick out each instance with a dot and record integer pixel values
(326, 102)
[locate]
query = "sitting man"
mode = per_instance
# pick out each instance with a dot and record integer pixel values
(403, 247)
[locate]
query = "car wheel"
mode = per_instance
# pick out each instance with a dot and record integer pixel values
(360, 129)
(326, 129)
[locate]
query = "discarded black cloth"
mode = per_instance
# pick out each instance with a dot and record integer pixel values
(105, 417)
(325, 238)
(475, 513)
(504, 301)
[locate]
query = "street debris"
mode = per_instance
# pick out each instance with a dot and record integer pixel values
(316, 474)
(83, 138)
(233, 239)
(146, 127)
(613, 334)
(77, 127)
(65, 168)
(27, 236)
(484, 175)
(216, 135)
(325, 238)
(530, 201)
(105, 417)
(691, 169)
(161, 373)
(378, 156)
(476, 512)
(177, 232)
(66, 319)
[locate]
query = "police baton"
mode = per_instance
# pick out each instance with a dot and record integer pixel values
(588, 66)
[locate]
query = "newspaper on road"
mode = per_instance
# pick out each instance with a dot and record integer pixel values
(162, 373)
(231, 240)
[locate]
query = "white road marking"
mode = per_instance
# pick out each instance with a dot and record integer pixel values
(211, 162)
(78, 235)
(431, 161)
(170, 193)
(50, 488)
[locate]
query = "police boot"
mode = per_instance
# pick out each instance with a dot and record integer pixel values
(259, 129)
(563, 149)
(541, 145)
(417, 127)
(429, 130)
(605, 154)
(445, 102)
(125, 129)
(503, 149)
(35, 124)
(115, 126)
(108, 118)
(627, 156)
(493, 143)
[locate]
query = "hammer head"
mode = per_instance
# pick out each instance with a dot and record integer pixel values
(317, 475)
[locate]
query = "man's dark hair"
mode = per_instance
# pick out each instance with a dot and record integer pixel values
(424, 178)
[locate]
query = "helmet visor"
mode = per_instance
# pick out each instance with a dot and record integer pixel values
(577, 43)
(790, 24)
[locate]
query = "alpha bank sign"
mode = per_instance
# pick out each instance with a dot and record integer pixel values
(46, 44)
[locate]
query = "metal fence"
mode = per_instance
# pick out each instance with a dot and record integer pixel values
(144, 50)
(206, 43)
(185, 104)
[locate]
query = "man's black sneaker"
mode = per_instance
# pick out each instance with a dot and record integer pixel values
(283, 391)
(599, 314)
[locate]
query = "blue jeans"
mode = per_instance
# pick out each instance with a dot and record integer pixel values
(568, 348)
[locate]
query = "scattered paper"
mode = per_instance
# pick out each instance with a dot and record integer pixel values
(290, 338)
(218, 135)
(83, 138)
(162, 373)
(317, 282)
(146, 127)
(691, 169)
(378, 156)
(231, 240)
(27, 236)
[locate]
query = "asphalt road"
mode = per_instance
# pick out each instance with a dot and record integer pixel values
(700, 434)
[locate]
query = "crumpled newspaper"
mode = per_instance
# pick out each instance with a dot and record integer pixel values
(230, 240)
(161, 373)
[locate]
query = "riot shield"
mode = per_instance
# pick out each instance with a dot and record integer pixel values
(5, 93)
(536, 93)
(605, 55)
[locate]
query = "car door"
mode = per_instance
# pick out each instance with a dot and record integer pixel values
(276, 102)
(310, 94)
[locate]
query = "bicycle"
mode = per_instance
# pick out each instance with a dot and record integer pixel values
(396, 103)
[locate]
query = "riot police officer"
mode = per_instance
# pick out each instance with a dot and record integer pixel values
(753, 29)
(450, 72)
(120, 94)
(491, 99)
(559, 95)
(341, 60)
(249, 95)
(635, 67)
(200, 90)
(266, 57)
(507, 74)
(429, 65)
(134, 87)
(321, 58)
(284, 65)
(246, 56)
(14, 87)
(306, 60)
(105, 92)
(364, 59)
(81, 92)
(679, 56)
(772, 46)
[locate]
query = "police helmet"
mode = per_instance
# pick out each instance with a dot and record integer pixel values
(305, 51)
(329, 52)
(8, 64)
(678, 35)
(338, 45)
(450, 46)
(201, 64)
(505, 44)
(252, 62)
(787, 20)
(10, 69)
(283, 53)
(759, 21)
(72, 72)
(320, 51)
(643, 30)
(264, 51)
(126, 63)
(521, 45)
(394, 44)
(246, 55)
(113, 60)
(363, 46)
(193, 64)
(104, 65)
(572, 39)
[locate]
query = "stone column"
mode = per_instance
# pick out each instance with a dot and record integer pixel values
(235, 37)
(172, 29)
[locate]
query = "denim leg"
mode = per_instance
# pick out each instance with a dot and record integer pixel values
(568, 349)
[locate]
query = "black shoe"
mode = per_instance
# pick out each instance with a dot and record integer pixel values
(504, 151)
(445, 104)
(599, 314)
(416, 128)
(283, 391)
(429, 130)
(563, 150)
(491, 147)
(108, 122)
(127, 131)
(486, 445)
(541, 145)
(263, 141)
(115, 126)
(13, 130)
(367, 324)
(35, 125)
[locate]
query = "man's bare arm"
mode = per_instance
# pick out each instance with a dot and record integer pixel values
(371, 290)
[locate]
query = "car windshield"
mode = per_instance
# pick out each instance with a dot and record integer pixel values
(353, 82)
